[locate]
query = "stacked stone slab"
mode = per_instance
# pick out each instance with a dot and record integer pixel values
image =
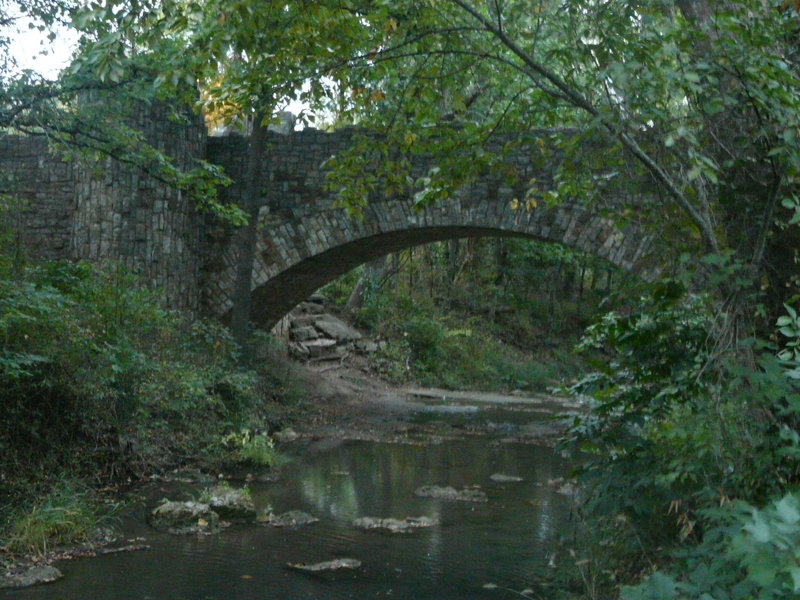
(316, 335)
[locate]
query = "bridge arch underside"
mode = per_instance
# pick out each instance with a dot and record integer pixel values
(295, 280)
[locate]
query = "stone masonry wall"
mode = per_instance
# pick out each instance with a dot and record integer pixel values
(129, 216)
(113, 212)
(45, 185)
(305, 240)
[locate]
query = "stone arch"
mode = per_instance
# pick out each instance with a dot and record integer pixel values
(298, 255)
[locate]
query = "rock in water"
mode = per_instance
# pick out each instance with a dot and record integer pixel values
(407, 525)
(184, 517)
(293, 518)
(451, 494)
(231, 503)
(501, 478)
(328, 565)
(285, 435)
(33, 576)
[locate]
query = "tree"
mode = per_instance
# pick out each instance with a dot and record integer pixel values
(698, 99)
(247, 58)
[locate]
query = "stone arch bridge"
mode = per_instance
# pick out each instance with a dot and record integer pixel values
(304, 240)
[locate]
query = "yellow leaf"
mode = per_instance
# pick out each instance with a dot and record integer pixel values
(531, 204)
(514, 204)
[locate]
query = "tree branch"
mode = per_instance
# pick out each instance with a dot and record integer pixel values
(536, 70)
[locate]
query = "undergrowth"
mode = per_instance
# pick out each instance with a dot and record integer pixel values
(99, 385)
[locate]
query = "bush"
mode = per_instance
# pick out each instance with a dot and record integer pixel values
(99, 380)
(675, 430)
(746, 553)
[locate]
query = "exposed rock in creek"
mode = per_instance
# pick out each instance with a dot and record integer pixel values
(293, 518)
(450, 493)
(32, 576)
(230, 503)
(502, 478)
(184, 518)
(407, 525)
(328, 565)
(285, 435)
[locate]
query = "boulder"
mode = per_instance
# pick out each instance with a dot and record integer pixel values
(336, 329)
(184, 517)
(317, 348)
(231, 503)
(451, 494)
(302, 334)
(502, 478)
(33, 576)
(303, 320)
(285, 435)
(293, 518)
(366, 346)
(298, 351)
(328, 565)
(406, 525)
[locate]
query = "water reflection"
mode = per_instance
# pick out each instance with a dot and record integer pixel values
(505, 541)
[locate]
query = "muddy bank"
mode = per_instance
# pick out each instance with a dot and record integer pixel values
(348, 403)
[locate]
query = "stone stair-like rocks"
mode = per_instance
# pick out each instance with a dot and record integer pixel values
(316, 335)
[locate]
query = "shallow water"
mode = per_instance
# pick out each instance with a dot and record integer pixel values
(506, 541)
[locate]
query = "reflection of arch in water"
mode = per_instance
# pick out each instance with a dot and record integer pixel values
(300, 255)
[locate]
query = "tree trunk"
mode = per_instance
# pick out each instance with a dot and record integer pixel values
(375, 271)
(247, 235)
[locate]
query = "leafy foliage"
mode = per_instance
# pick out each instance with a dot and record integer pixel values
(747, 553)
(98, 380)
(675, 431)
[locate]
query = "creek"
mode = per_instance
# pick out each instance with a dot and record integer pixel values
(478, 550)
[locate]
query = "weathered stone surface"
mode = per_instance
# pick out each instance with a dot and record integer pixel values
(303, 320)
(184, 518)
(502, 478)
(305, 240)
(231, 503)
(366, 346)
(451, 494)
(336, 329)
(318, 347)
(328, 565)
(298, 351)
(33, 576)
(302, 334)
(406, 525)
(293, 518)
(285, 435)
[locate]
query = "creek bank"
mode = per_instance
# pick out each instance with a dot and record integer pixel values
(34, 571)
(346, 401)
